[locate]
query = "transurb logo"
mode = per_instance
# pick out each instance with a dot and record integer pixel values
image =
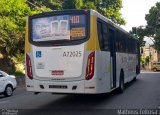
(38, 54)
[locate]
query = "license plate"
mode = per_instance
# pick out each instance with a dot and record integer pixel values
(57, 72)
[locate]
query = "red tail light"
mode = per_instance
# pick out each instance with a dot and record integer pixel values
(90, 66)
(29, 67)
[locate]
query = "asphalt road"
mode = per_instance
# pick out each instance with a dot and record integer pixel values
(144, 93)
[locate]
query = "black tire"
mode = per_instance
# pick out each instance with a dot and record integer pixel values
(121, 83)
(8, 91)
(154, 69)
(135, 78)
(137, 70)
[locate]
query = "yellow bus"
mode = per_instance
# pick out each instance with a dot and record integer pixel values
(78, 52)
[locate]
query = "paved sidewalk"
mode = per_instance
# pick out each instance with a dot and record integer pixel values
(149, 71)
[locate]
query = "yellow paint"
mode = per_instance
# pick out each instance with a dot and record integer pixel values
(109, 67)
(93, 43)
(27, 44)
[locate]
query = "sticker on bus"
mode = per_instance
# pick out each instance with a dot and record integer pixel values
(40, 65)
(38, 54)
(77, 32)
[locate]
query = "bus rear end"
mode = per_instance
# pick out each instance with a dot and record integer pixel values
(56, 56)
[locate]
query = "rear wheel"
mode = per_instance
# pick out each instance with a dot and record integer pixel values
(137, 69)
(8, 91)
(154, 69)
(121, 83)
(135, 78)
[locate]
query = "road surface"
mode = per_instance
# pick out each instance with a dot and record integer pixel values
(144, 93)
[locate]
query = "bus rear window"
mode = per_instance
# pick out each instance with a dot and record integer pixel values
(60, 27)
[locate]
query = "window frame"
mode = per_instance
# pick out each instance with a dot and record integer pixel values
(105, 39)
(124, 42)
(59, 42)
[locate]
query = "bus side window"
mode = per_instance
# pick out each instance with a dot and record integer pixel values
(117, 41)
(136, 47)
(129, 46)
(100, 35)
(132, 48)
(126, 45)
(105, 37)
(121, 42)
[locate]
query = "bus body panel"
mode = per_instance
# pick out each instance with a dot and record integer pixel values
(58, 62)
(100, 83)
(106, 74)
(128, 63)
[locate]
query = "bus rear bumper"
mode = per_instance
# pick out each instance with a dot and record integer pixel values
(57, 87)
(74, 87)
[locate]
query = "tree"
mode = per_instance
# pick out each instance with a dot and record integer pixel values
(152, 29)
(13, 15)
(111, 10)
(73, 4)
(152, 19)
(12, 22)
(153, 15)
(147, 59)
(108, 8)
(140, 34)
(12, 25)
(46, 5)
(12, 29)
(89, 5)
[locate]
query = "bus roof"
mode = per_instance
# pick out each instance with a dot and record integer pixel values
(111, 23)
(92, 12)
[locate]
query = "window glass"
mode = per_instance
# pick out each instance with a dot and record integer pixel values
(117, 41)
(63, 27)
(100, 36)
(105, 37)
(121, 42)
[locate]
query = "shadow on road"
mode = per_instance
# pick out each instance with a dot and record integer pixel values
(2, 96)
(128, 85)
(76, 104)
(79, 103)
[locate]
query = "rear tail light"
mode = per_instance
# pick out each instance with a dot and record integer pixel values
(29, 67)
(90, 66)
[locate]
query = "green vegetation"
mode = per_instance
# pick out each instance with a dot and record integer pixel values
(154, 24)
(152, 29)
(12, 31)
(145, 61)
(109, 8)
